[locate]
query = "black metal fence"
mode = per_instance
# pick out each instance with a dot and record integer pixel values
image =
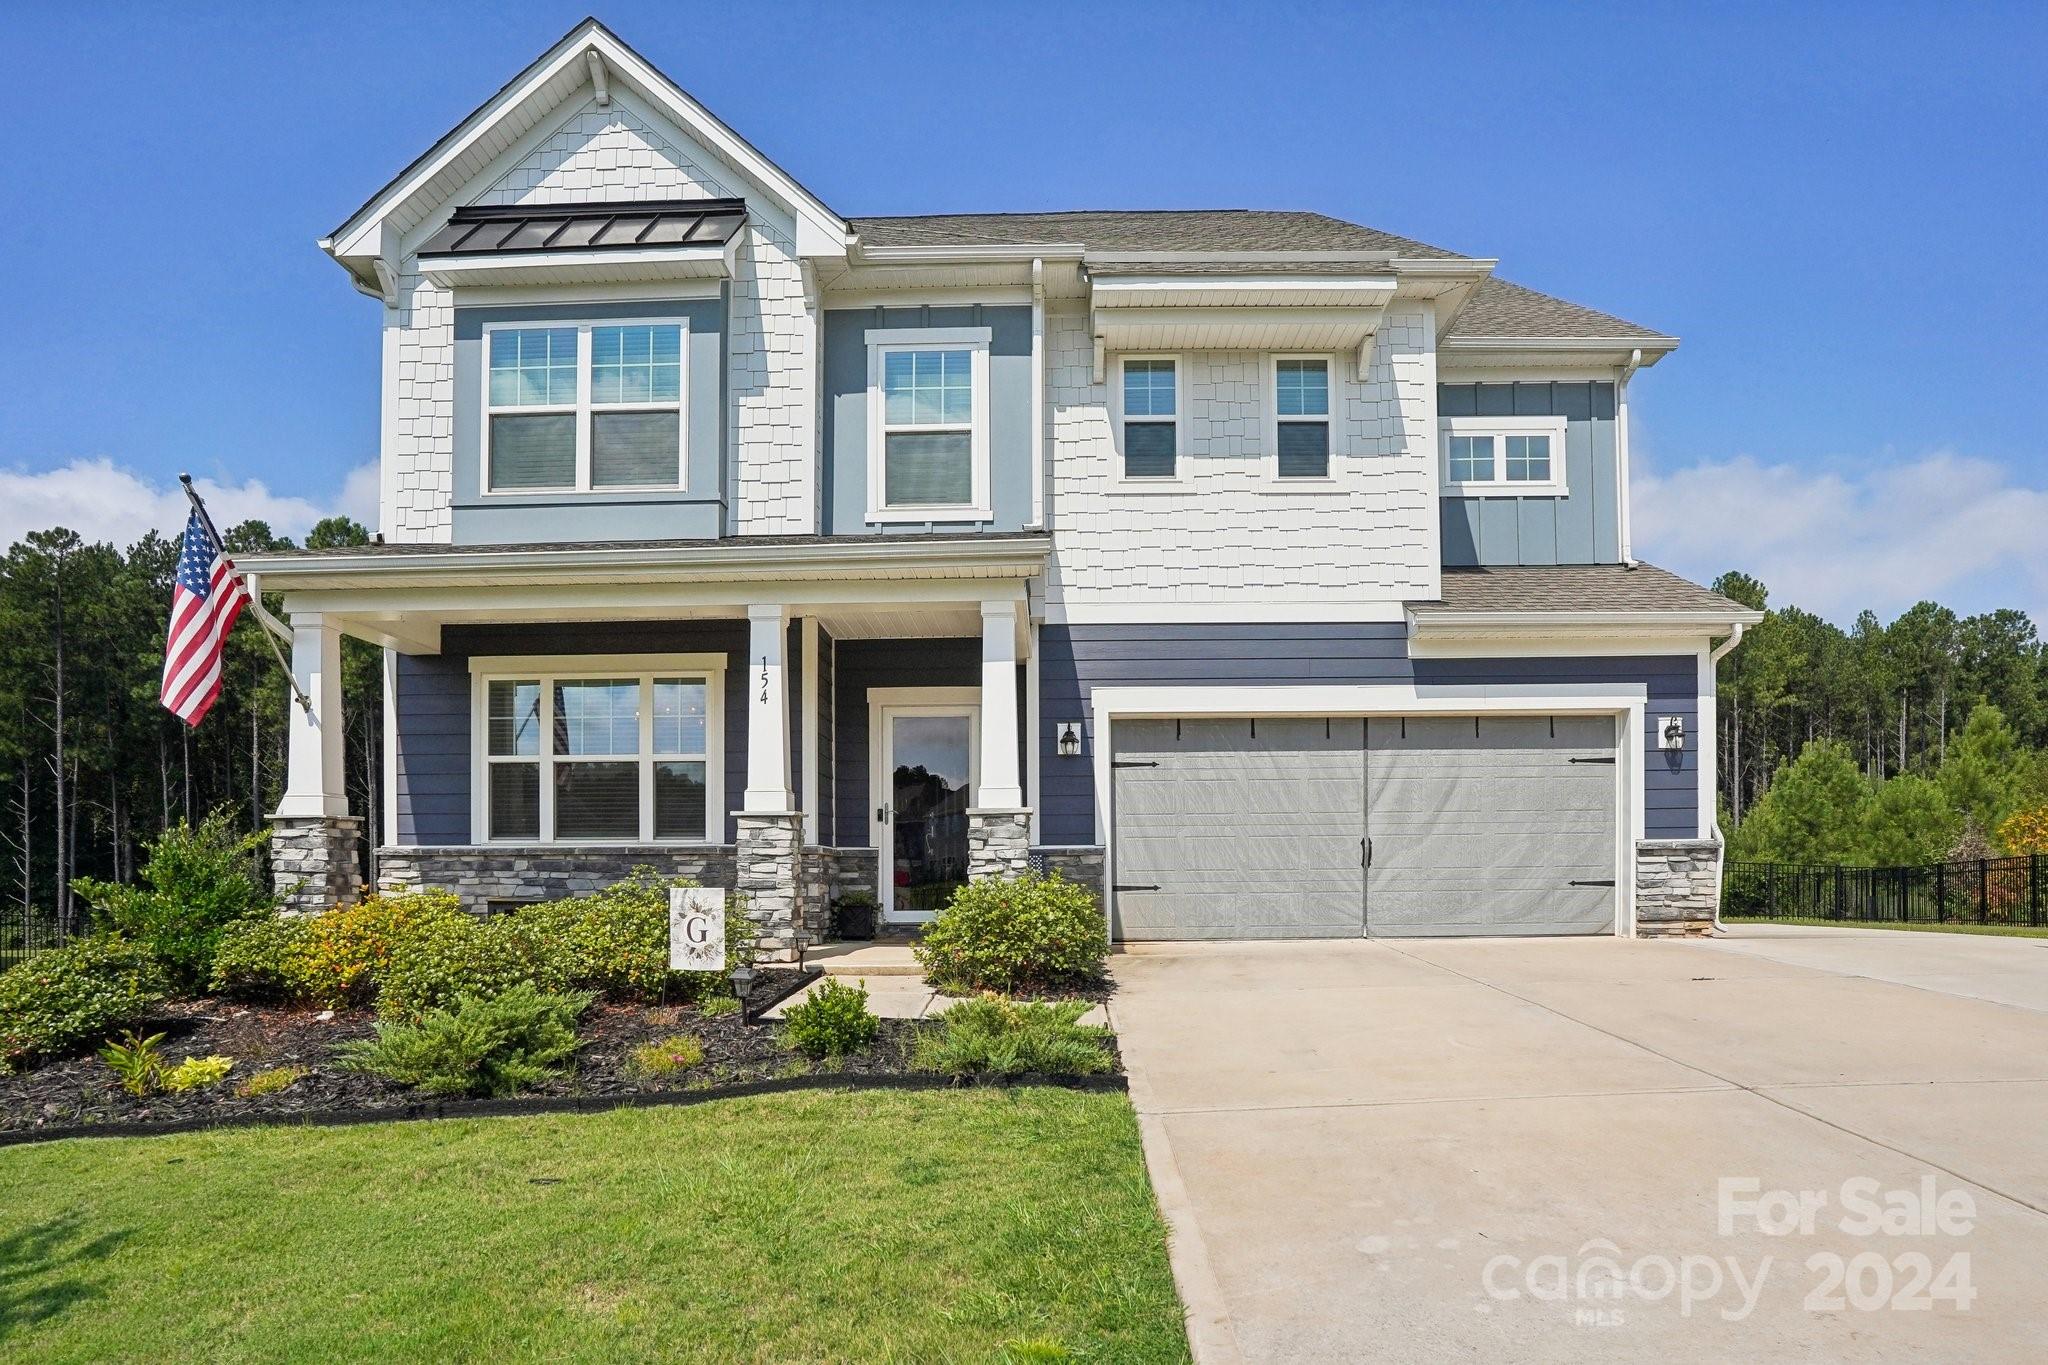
(26, 931)
(1979, 891)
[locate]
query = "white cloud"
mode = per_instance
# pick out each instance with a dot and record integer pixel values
(1944, 526)
(104, 501)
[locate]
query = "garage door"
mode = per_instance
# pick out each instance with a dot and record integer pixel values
(1260, 828)
(1240, 828)
(1500, 825)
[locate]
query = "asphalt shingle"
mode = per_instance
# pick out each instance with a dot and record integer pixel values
(1571, 587)
(1499, 308)
(1249, 230)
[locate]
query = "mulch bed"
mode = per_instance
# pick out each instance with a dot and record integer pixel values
(74, 1091)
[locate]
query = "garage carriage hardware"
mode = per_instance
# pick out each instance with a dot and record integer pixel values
(1972, 891)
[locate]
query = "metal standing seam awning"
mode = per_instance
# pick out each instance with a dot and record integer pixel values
(618, 239)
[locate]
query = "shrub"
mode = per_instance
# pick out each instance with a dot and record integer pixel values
(461, 957)
(136, 1060)
(257, 959)
(195, 1072)
(668, 1058)
(615, 941)
(270, 1082)
(494, 1046)
(1010, 934)
(195, 882)
(832, 1021)
(348, 950)
(76, 994)
(994, 1036)
(2025, 831)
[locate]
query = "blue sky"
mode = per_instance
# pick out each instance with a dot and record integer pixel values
(1835, 208)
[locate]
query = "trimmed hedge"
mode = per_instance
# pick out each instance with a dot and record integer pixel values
(1015, 934)
(76, 995)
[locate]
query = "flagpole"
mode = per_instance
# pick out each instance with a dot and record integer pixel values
(206, 520)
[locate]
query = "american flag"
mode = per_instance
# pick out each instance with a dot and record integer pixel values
(207, 598)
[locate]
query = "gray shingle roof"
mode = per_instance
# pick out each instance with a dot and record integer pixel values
(1499, 308)
(1573, 588)
(1250, 230)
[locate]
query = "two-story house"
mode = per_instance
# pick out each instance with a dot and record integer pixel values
(1267, 572)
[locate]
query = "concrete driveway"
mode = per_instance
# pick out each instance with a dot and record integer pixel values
(1437, 1150)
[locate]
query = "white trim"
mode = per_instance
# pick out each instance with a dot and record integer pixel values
(975, 341)
(852, 298)
(1363, 283)
(1039, 444)
(1625, 531)
(389, 796)
(1448, 623)
(575, 295)
(585, 409)
(1032, 737)
(1563, 645)
(550, 668)
(808, 635)
(1248, 606)
(1331, 419)
(1123, 481)
(1625, 702)
(885, 703)
(1500, 485)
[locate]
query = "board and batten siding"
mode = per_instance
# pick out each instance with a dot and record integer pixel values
(432, 763)
(1582, 527)
(1075, 660)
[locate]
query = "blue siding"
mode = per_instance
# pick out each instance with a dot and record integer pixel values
(882, 663)
(1074, 660)
(843, 464)
(432, 766)
(1584, 526)
(828, 795)
(500, 519)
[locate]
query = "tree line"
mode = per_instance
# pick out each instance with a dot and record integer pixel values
(92, 768)
(1912, 742)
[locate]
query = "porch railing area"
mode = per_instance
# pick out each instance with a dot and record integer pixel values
(1974, 891)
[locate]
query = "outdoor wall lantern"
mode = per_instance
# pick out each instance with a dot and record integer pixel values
(1673, 730)
(1070, 739)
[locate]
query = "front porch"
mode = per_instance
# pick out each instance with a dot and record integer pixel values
(794, 722)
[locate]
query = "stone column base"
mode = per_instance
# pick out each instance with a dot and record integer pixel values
(998, 843)
(771, 877)
(314, 863)
(1677, 888)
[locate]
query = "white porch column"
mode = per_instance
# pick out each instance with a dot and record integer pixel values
(313, 776)
(767, 684)
(1001, 788)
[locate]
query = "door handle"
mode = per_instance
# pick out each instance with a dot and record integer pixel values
(881, 815)
(1365, 851)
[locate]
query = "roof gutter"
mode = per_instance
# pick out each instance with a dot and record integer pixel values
(1526, 621)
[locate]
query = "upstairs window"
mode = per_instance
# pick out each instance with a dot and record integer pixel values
(928, 396)
(584, 407)
(1150, 397)
(1301, 417)
(1503, 456)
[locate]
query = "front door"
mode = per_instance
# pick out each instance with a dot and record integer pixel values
(927, 773)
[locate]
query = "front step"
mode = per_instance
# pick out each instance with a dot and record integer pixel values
(863, 959)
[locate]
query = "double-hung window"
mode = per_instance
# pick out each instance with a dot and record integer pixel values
(928, 428)
(1301, 417)
(625, 754)
(1503, 456)
(584, 407)
(1149, 398)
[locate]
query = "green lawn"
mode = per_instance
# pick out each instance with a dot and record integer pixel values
(968, 1225)
(2004, 930)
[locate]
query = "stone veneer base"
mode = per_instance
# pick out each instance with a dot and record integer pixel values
(498, 876)
(316, 864)
(1677, 886)
(998, 843)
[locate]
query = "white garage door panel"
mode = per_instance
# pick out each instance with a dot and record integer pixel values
(1486, 829)
(1245, 830)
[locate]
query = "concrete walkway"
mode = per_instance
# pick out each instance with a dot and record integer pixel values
(1366, 1150)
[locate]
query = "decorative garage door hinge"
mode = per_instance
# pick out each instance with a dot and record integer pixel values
(1133, 763)
(1133, 886)
(1597, 881)
(1608, 759)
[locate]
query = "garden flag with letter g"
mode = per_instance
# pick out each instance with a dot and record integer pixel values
(207, 597)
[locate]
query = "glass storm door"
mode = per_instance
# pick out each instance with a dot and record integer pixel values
(929, 760)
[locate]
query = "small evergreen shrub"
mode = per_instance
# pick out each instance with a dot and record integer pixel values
(137, 1061)
(195, 1073)
(77, 994)
(1012, 934)
(615, 941)
(994, 1036)
(832, 1021)
(347, 951)
(195, 882)
(510, 1042)
(463, 957)
(270, 1082)
(666, 1059)
(257, 959)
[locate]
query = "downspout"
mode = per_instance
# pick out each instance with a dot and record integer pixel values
(1038, 456)
(1714, 657)
(1627, 372)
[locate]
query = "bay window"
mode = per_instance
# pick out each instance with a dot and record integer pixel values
(928, 424)
(575, 751)
(584, 407)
